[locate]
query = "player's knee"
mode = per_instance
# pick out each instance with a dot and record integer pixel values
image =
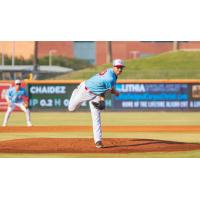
(71, 108)
(24, 110)
(9, 111)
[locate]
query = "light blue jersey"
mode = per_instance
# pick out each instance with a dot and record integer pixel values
(101, 82)
(16, 96)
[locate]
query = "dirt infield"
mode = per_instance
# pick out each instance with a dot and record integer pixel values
(105, 128)
(63, 145)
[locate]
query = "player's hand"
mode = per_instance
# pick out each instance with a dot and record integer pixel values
(117, 93)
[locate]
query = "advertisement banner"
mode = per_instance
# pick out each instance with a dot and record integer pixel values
(194, 96)
(160, 96)
(157, 96)
(54, 97)
(50, 96)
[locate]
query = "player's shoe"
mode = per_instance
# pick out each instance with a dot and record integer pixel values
(29, 124)
(99, 144)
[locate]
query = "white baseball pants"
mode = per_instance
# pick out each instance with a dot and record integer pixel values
(80, 95)
(22, 107)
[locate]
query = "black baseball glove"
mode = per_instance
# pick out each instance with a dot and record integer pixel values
(99, 105)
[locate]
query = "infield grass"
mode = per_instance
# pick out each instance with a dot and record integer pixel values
(108, 118)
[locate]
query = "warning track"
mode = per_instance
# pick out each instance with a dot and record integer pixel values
(15, 129)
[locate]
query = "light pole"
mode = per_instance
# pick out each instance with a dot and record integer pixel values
(109, 52)
(13, 54)
(50, 56)
(35, 57)
(35, 60)
(2, 56)
(175, 45)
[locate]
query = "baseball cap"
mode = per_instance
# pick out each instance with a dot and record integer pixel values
(118, 63)
(17, 82)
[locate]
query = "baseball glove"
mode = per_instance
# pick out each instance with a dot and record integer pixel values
(99, 105)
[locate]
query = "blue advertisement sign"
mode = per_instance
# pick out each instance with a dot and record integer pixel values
(156, 96)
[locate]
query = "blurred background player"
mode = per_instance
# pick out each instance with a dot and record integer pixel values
(15, 97)
(93, 90)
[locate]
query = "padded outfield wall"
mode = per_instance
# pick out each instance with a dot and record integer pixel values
(135, 95)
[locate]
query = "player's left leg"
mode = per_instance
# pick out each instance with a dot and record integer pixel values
(27, 113)
(96, 121)
(79, 95)
(74, 102)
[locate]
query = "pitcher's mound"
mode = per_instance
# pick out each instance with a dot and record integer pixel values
(77, 145)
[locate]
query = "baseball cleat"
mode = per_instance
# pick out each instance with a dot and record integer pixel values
(99, 144)
(29, 124)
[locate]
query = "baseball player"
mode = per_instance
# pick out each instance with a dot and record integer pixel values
(93, 90)
(15, 97)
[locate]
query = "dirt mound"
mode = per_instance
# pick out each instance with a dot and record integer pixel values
(75, 145)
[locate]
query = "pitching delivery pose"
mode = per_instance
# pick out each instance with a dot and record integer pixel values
(93, 90)
(14, 98)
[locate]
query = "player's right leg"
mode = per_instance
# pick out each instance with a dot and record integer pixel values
(96, 123)
(27, 113)
(8, 113)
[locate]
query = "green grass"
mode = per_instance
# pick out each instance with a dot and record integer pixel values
(181, 154)
(171, 65)
(108, 118)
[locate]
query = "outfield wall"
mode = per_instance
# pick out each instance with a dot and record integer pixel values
(135, 95)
